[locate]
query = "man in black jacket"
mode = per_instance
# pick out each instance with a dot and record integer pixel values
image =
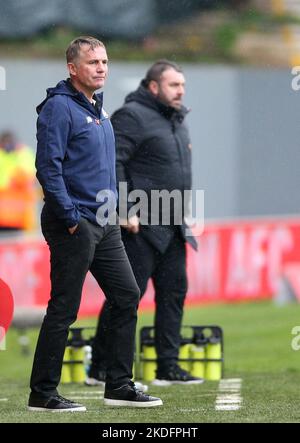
(154, 153)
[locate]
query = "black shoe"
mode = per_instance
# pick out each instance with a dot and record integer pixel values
(129, 395)
(174, 375)
(55, 403)
(96, 377)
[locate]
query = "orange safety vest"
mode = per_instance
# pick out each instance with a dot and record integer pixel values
(18, 195)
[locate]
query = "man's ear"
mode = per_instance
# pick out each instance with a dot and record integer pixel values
(72, 68)
(153, 87)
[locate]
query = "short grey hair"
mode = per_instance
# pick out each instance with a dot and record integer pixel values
(74, 47)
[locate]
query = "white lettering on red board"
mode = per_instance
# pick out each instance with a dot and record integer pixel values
(205, 278)
(282, 241)
(253, 253)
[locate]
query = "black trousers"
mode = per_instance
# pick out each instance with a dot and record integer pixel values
(168, 273)
(100, 250)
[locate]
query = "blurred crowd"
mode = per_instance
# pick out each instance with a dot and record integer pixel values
(18, 193)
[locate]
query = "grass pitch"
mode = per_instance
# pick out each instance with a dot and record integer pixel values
(257, 338)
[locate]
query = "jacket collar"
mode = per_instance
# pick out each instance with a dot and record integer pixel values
(65, 87)
(97, 97)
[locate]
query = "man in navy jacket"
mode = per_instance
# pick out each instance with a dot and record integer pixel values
(75, 163)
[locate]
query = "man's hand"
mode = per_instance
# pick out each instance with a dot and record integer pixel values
(132, 224)
(73, 229)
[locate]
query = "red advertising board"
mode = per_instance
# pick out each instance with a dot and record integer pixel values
(238, 260)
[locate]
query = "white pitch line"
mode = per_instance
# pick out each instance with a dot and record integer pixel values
(230, 381)
(223, 401)
(229, 397)
(229, 391)
(234, 397)
(230, 386)
(3, 399)
(227, 407)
